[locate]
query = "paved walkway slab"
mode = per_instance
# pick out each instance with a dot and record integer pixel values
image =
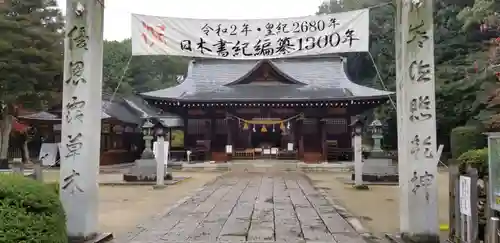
(251, 207)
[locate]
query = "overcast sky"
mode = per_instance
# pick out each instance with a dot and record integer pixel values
(117, 12)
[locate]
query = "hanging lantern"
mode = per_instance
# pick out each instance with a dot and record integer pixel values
(253, 128)
(263, 129)
(245, 126)
(274, 130)
(288, 125)
(282, 126)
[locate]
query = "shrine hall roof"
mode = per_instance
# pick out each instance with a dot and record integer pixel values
(313, 78)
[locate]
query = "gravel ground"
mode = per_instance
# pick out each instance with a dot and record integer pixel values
(377, 208)
(121, 208)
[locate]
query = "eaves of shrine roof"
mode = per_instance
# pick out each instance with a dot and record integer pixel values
(317, 78)
(40, 116)
(130, 109)
(119, 111)
(134, 109)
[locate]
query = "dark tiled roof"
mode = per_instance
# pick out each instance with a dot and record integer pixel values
(324, 78)
(141, 106)
(129, 109)
(120, 111)
(134, 109)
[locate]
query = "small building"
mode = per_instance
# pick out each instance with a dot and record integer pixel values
(121, 121)
(295, 108)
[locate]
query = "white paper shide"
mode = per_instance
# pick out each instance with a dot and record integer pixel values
(251, 39)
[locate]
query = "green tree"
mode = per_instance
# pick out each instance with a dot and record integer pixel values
(481, 12)
(30, 60)
(461, 89)
(144, 73)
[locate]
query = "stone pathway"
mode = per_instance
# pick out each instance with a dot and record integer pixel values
(251, 207)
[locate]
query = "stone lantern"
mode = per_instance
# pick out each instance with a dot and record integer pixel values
(376, 128)
(147, 132)
(146, 168)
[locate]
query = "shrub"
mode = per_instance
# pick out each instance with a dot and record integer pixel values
(475, 158)
(463, 139)
(30, 211)
(54, 186)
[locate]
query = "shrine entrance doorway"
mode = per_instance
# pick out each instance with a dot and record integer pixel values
(269, 139)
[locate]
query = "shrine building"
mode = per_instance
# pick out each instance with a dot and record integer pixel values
(293, 108)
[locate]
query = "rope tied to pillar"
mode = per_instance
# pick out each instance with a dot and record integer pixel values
(125, 69)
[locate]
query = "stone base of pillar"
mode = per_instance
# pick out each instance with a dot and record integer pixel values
(420, 238)
(377, 154)
(95, 238)
(142, 178)
(413, 238)
(377, 177)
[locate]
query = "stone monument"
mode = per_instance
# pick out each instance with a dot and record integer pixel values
(161, 158)
(357, 132)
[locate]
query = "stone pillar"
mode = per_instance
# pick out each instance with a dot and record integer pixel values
(160, 161)
(37, 170)
(416, 121)
(358, 159)
(81, 117)
(18, 166)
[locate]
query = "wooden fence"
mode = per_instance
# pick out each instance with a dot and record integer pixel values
(17, 153)
(468, 226)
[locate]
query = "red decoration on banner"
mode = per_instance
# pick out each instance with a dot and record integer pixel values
(157, 33)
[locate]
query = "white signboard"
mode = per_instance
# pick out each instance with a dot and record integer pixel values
(229, 149)
(465, 188)
(155, 150)
(48, 154)
(274, 150)
(251, 39)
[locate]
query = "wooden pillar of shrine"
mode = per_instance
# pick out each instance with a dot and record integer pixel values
(300, 141)
(185, 132)
(319, 133)
(229, 141)
(229, 124)
(211, 136)
(323, 140)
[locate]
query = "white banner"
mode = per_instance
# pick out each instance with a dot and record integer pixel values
(251, 39)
